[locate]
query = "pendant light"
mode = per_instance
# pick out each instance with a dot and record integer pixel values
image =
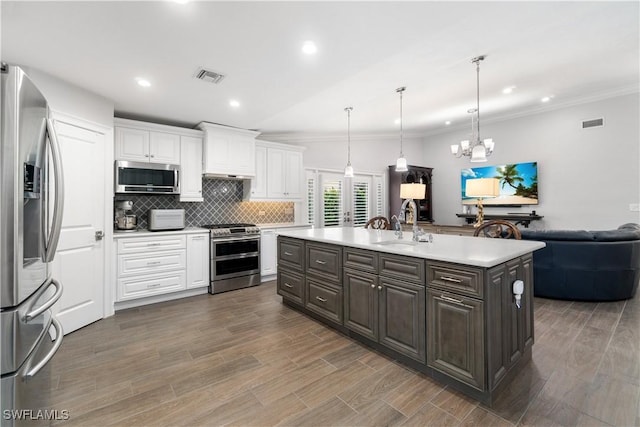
(477, 149)
(348, 170)
(401, 163)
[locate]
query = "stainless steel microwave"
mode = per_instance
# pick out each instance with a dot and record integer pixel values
(146, 178)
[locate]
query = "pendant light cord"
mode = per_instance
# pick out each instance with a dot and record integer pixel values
(348, 110)
(478, 94)
(401, 89)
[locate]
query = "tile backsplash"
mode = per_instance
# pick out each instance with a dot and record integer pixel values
(222, 204)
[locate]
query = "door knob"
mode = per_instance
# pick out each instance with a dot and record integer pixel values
(99, 235)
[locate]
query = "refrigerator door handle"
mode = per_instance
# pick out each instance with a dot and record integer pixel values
(58, 207)
(33, 314)
(58, 342)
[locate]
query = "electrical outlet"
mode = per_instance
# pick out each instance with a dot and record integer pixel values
(261, 213)
(634, 207)
(288, 211)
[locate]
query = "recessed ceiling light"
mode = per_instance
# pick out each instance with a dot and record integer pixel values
(448, 122)
(234, 103)
(508, 89)
(143, 82)
(546, 98)
(309, 48)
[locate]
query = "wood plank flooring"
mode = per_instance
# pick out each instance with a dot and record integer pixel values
(244, 359)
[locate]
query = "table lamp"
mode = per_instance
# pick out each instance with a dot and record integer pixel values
(482, 188)
(413, 191)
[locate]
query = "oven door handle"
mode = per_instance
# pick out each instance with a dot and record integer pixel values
(234, 239)
(235, 256)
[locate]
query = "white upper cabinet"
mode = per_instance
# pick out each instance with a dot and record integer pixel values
(259, 183)
(228, 151)
(279, 173)
(191, 169)
(147, 142)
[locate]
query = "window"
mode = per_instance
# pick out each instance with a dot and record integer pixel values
(336, 201)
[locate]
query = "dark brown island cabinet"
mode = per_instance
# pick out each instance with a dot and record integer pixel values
(456, 323)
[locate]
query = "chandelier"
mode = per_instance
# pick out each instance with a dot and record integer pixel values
(475, 148)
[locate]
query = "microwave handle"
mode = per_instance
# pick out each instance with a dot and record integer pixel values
(51, 243)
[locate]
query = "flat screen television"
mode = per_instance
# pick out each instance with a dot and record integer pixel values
(518, 184)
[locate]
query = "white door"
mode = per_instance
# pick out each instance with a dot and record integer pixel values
(332, 212)
(79, 261)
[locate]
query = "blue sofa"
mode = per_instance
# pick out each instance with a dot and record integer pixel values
(587, 265)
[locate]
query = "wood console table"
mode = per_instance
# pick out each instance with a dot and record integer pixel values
(524, 219)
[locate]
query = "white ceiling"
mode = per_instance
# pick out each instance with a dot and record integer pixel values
(575, 51)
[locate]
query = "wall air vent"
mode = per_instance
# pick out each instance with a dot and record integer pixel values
(209, 76)
(593, 123)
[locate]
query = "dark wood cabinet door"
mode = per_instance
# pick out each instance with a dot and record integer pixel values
(402, 317)
(361, 303)
(324, 261)
(323, 299)
(455, 332)
(527, 300)
(291, 253)
(291, 285)
(415, 174)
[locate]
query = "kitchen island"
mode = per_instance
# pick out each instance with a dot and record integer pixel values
(446, 307)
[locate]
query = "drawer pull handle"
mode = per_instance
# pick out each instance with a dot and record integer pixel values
(154, 263)
(373, 285)
(319, 261)
(288, 253)
(321, 299)
(155, 285)
(379, 287)
(288, 285)
(154, 244)
(451, 279)
(453, 300)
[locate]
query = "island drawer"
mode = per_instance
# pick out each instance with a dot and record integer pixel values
(361, 260)
(291, 286)
(325, 261)
(291, 252)
(324, 300)
(401, 267)
(455, 278)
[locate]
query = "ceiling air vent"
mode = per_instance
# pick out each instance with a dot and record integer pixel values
(209, 76)
(593, 123)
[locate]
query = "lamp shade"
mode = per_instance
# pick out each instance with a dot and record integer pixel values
(412, 191)
(482, 187)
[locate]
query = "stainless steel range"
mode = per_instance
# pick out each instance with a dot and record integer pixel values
(235, 256)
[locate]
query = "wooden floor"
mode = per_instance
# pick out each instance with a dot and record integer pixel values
(242, 358)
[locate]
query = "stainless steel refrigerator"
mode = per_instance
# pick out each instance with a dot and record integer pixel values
(31, 191)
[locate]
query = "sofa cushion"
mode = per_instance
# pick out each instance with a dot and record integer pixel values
(561, 235)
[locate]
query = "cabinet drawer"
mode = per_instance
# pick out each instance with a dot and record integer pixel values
(291, 286)
(361, 260)
(400, 267)
(324, 300)
(147, 285)
(155, 262)
(455, 278)
(325, 261)
(291, 253)
(147, 244)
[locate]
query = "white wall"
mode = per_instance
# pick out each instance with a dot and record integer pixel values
(586, 178)
(369, 154)
(66, 98)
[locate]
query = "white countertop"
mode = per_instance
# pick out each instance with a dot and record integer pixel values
(476, 251)
(146, 233)
(283, 225)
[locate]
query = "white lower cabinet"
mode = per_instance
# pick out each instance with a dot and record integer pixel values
(149, 265)
(268, 252)
(269, 249)
(197, 260)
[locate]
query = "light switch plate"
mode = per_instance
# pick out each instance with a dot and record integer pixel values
(634, 207)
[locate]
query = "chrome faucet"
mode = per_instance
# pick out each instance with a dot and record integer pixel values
(401, 216)
(396, 227)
